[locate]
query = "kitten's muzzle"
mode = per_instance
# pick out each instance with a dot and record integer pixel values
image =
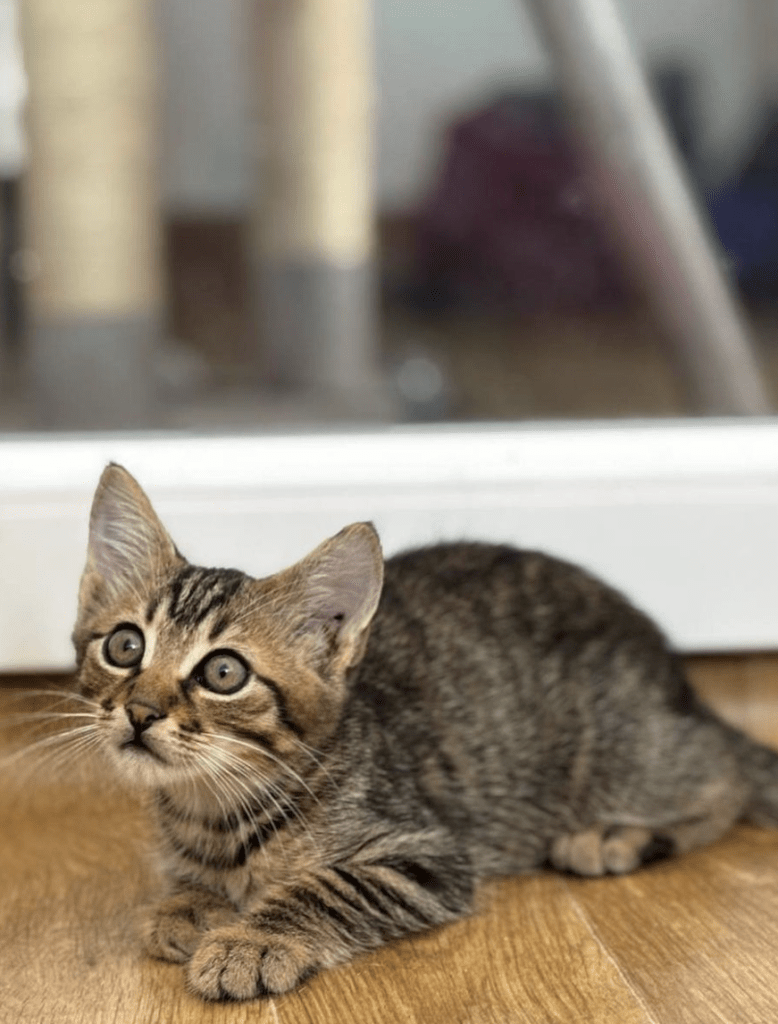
(141, 716)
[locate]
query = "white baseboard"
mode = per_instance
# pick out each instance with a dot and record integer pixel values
(680, 515)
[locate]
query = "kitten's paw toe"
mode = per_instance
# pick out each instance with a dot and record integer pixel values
(628, 847)
(580, 852)
(171, 936)
(227, 966)
(623, 848)
(615, 850)
(174, 928)
(238, 963)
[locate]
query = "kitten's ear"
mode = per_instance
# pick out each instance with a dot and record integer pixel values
(127, 542)
(340, 584)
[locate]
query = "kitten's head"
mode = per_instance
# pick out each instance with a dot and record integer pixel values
(199, 671)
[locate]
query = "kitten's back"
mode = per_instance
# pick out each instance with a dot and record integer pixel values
(518, 687)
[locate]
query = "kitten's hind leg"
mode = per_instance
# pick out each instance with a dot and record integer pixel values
(617, 849)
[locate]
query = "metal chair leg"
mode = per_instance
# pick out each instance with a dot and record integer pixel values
(648, 203)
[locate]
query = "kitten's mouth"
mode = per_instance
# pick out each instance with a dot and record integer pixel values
(137, 746)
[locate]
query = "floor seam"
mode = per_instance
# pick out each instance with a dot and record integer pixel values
(634, 992)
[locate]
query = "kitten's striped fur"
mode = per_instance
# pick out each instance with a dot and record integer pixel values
(338, 753)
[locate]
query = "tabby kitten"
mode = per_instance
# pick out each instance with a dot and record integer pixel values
(338, 753)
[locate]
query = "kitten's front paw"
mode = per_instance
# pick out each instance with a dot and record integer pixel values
(241, 963)
(171, 934)
(174, 929)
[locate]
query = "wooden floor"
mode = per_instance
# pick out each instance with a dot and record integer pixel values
(691, 941)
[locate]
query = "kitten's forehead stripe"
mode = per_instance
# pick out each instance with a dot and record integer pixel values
(151, 609)
(195, 593)
(218, 627)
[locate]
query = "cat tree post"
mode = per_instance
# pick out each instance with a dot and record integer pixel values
(91, 216)
(313, 226)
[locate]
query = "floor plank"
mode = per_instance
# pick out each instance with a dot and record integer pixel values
(694, 940)
(691, 941)
(502, 965)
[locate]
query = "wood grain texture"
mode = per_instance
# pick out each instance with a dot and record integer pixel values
(690, 941)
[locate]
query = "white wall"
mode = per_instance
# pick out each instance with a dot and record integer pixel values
(432, 59)
(681, 516)
(205, 95)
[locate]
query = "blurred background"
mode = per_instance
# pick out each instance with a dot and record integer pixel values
(265, 213)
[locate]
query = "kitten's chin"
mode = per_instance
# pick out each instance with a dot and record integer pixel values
(140, 768)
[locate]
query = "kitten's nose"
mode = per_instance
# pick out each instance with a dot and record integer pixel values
(142, 715)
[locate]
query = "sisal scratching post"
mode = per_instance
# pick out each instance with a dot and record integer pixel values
(313, 227)
(90, 212)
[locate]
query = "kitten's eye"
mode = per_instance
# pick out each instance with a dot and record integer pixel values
(224, 672)
(124, 647)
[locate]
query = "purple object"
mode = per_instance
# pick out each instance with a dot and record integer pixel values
(508, 222)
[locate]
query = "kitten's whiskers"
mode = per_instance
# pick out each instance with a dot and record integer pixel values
(273, 757)
(233, 796)
(248, 788)
(61, 695)
(315, 756)
(54, 749)
(284, 804)
(74, 752)
(41, 717)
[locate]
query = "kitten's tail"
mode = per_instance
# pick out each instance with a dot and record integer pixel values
(760, 766)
